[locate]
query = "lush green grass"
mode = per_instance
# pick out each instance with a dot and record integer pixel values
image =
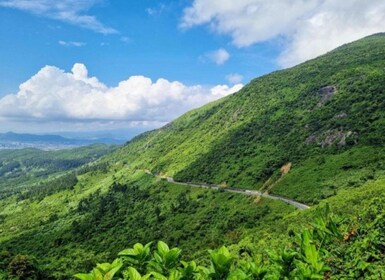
(21, 168)
(18, 216)
(322, 175)
(330, 248)
(335, 145)
(135, 207)
(139, 208)
(282, 117)
(89, 225)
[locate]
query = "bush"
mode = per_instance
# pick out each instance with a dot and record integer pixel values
(306, 260)
(23, 267)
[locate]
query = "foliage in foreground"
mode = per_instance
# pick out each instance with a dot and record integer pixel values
(328, 249)
(136, 208)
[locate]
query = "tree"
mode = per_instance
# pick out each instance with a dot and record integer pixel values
(23, 267)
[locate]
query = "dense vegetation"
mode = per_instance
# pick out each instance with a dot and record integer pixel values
(352, 249)
(94, 220)
(312, 113)
(313, 133)
(23, 167)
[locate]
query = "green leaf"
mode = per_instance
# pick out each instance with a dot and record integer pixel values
(128, 252)
(163, 248)
(158, 276)
(84, 276)
(133, 274)
(114, 268)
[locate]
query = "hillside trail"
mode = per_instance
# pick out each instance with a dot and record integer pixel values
(247, 192)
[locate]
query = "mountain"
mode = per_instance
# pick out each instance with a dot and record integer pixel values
(11, 136)
(326, 114)
(116, 134)
(11, 140)
(312, 133)
(22, 167)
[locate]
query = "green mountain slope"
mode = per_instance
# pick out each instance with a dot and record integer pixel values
(68, 231)
(21, 168)
(312, 113)
(312, 133)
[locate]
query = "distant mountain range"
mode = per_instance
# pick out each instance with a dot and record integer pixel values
(11, 140)
(313, 133)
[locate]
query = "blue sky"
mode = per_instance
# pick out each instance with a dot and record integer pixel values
(116, 64)
(150, 43)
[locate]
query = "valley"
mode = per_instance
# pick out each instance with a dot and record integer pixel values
(288, 174)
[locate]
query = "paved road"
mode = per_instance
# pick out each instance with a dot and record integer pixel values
(297, 204)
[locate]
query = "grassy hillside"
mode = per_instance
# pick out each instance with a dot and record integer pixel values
(69, 231)
(106, 211)
(313, 133)
(312, 113)
(21, 168)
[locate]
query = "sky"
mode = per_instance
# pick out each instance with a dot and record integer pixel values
(89, 65)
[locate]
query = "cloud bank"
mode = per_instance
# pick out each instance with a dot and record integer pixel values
(55, 95)
(68, 11)
(308, 27)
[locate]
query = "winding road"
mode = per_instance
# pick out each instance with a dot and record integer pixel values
(296, 204)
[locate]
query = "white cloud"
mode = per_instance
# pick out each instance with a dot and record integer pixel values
(224, 90)
(72, 44)
(55, 95)
(234, 78)
(310, 27)
(69, 11)
(155, 11)
(219, 56)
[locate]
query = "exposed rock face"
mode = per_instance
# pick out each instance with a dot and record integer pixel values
(325, 94)
(236, 114)
(331, 137)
